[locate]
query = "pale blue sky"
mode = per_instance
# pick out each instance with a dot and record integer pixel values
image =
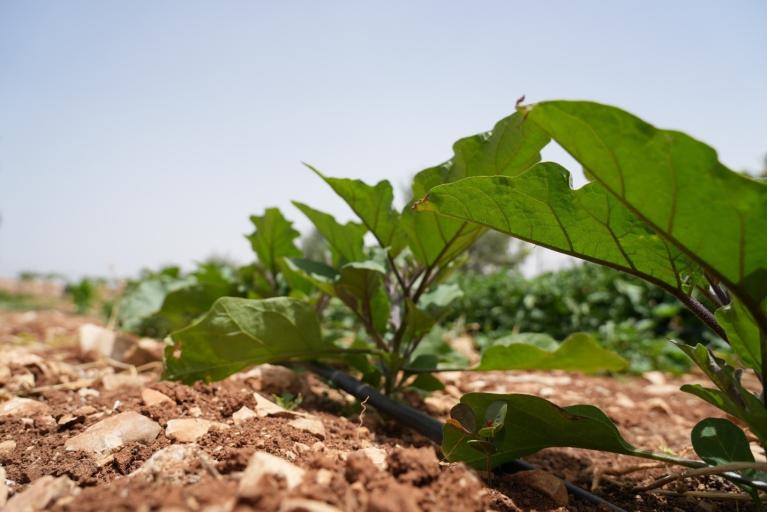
(144, 132)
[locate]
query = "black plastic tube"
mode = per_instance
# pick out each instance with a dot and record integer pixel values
(426, 425)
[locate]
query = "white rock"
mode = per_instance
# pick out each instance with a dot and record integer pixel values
(152, 397)
(170, 464)
(655, 377)
(545, 483)
(114, 381)
(309, 424)
(304, 505)
(96, 338)
(40, 494)
(109, 434)
(3, 488)
(376, 455)
(243, 415)
(266, 408)
(7, 447)
(189, 430)
(22, 407)
(262, 463)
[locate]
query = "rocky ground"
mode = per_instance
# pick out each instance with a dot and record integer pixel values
(80, 431)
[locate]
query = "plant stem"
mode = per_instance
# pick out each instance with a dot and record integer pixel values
(706, 316)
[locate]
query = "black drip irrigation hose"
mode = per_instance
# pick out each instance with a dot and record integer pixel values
(426, 425)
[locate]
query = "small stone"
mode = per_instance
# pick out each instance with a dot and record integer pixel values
(97, 339)
(22, 407)
(114, 381)
(658, 404)
(319, 446)
(266, 408)
(45, 422)
(69, 419)
(324, 476)
(376, 455)
(304, 505)
(189, 430)
(302, 448)
(262, 463)
(545, 483)
(309, 424)
(109, 434)
(195, 412)
(243, 415)
(152, 397)
(88, 392)
(40, 494)
(655, 377)
(278, 379)
(170, 464)
(3, 488)
(624, 401)
(85, 410)
(7, 447)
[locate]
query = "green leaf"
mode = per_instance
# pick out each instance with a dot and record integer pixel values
(427, 382)
(742, 333)
(676, 185)
(531, 424)
(730, 396)
(346, 240)
(373, 206)
(238, 333)
(319, 274)
(147, 298)
(360, 286)
(463, 414)
(719, 441)
(511, 147)
(540, 207)
(578, 352)
(273, 239)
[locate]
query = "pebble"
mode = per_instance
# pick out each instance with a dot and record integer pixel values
(266, 408)
(96, 338)
(109, 434)
(169, 464)
(545, 483)
(7, 447)
(153, 397)
(262, 463)
(189, 430)
(3, 488)
(243, 415)
(40, 494)
(309, 424)
(304, 505)
(114, 381)
(22, 407)
(376, 455)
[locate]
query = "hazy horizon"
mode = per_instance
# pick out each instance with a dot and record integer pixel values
(143, 133)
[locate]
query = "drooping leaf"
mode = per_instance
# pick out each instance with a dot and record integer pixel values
(511, 148)
(676, 185)
(238, 333)
(720, 441)
(273, 239)
(346, 240)
(578, 352)
(373, 206)
(742, 333)
(540, 207)
(531, 424)
(427, 382)
(730, 396)
(465, 417)
(360, 286)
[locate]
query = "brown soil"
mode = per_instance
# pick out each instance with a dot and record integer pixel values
(650, 411)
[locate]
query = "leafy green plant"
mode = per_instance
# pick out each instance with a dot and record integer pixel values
(395, 287)
(659, 206)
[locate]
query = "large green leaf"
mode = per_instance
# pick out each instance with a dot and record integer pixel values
(184, 305)
(511, 148)
(540, 207)
(273, 239)
(146, 299)
(730, 396)
(346, 240)
(237, 333)
(531, 424)
(578, 352)
(742, 333)
(360, 286)
(373, 206)
(676, 184)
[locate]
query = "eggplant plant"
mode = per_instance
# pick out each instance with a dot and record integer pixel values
(388, 269)
(659, 205)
